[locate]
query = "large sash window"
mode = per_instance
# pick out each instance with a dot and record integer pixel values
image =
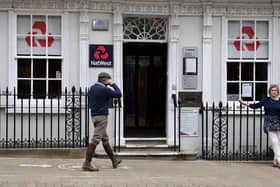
(247, 59)
(39, 61)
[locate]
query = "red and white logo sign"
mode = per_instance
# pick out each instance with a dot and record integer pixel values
(100, 53)
(247, 33)
(39, 28)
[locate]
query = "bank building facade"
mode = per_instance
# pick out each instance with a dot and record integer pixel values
(171, 59)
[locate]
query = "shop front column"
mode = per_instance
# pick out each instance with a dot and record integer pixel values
(84, 43)
(118, 58)
(172, 73)
(207, 55)
(275, 77)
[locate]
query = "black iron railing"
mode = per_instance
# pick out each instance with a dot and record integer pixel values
(176, 117)
(233, 132)
(58, 122)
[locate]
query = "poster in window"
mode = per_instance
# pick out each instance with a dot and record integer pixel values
(247, 89)
(100, 55)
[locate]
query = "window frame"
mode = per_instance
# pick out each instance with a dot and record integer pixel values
(225, 51)
(13, 55)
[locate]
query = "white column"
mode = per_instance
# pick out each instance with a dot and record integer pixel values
(207, 55)
(172, 73)
(118, 59)
(12, 51)
(274, 44)
(84, 43)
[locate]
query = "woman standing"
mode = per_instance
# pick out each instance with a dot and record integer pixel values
(271, 106)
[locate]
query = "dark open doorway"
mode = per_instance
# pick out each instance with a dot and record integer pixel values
(145, 74)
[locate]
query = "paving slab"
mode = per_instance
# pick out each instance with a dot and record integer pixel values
(43, 172)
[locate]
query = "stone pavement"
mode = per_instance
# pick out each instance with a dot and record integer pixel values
(42, 172)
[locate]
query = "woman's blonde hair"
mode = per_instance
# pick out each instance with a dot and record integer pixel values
(271, 87)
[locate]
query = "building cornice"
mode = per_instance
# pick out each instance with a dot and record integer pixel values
(152, 7)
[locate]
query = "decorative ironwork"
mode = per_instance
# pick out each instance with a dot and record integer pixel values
(73, 119)
(144, 28)
(220, 130)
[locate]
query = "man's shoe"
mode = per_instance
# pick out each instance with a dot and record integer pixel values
(116, 162)
(88, 167)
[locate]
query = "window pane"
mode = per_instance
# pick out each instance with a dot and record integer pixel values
(24, 68)
(262, 30)
(233, 29)
(248, 92)
(23, 24)
(261, 72)
(24, 89)
(234, 48)
(247, 71)
(39, 45)
(232, 91)
(54, 46)
(247, 24)
(39, 22)
(262, 50)
(23, 45)
(39, 89)
(54, 88)
(248, 49)
(55, 68)
(54, 25)
(39, 68)
(261, 90)
(232, 71)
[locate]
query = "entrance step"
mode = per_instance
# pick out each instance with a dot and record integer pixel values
(130, 142)
(151, 148)
(146, 144)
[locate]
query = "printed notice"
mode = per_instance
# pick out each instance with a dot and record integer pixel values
(189, 123)
(247, 89)
(190, 64)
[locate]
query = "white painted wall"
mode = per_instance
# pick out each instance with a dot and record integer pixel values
(217, 61)
(99, 37)
(4, 50)
(72, 50)
(190, 35)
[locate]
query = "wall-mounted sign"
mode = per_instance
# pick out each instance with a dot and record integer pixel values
(100, 25)
(101, 55)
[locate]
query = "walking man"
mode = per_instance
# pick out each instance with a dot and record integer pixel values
(99, 95)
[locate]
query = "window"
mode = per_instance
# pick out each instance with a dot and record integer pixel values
(247, 59)
(39, 62)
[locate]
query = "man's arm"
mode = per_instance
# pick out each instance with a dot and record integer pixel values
(114, 93)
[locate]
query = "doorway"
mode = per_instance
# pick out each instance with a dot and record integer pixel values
(145, 76)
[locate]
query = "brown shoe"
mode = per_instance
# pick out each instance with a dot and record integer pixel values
(116, 162)
(88, 167)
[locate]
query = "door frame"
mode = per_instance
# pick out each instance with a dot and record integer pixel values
(161, 51)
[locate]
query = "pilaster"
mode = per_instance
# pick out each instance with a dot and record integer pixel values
(84, 43)
(118, 58)
(207, 54)
(172, 77)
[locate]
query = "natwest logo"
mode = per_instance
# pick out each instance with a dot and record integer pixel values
(39, 28)
(247, 33)
(100, 55)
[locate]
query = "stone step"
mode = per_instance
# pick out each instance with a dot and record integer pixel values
(80, 153)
